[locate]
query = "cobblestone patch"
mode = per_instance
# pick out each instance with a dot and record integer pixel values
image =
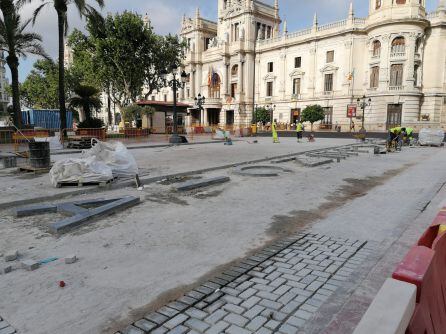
(276, 290)
(5, 327)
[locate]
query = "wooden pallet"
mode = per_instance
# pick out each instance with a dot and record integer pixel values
(29, 169)
(84, 184)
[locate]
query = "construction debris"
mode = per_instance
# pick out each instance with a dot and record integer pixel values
(11, 256)
(195, 184)
(70, 259)
(30, 265)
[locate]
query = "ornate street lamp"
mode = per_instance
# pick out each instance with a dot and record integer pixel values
(174, 84)
(271, 112)
(199, 102)
(364, 104)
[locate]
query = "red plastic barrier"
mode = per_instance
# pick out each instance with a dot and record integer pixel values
(425, 266)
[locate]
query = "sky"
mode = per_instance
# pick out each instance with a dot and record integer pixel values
(166, 16)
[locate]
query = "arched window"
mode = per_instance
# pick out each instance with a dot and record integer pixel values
(234, 71)
(378, 4)
(214, 83)
(399, 45)
(376, 48)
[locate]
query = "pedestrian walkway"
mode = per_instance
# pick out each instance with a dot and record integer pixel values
(274, 291)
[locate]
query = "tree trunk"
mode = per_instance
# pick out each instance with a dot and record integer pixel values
(13, 64)
(109, 112)
(63, 111)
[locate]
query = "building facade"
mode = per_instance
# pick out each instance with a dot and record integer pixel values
(396, 57)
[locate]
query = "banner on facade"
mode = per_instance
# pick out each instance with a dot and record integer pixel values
(351, 110)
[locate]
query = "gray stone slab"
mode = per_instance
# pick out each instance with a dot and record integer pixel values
(35, 210)
(11, 256)
(195, 184)
(95, 213)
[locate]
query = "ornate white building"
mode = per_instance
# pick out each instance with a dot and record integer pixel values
(396, 57)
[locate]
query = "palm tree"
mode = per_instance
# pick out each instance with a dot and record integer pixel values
(17, 43)
(86, 98)
(61, 7)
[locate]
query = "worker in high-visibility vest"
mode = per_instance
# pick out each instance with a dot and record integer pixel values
(299, 131)
(394, 133)
(274, 131)
(409, 135)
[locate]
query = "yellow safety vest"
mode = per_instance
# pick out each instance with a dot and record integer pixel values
(299, 127)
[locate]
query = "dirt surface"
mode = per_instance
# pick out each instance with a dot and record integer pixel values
(172, 241)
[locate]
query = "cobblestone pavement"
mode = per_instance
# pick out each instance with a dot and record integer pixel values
(276, 290)
(5, 327)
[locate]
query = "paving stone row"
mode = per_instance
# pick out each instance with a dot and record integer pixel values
(5, 327)
(274, 291)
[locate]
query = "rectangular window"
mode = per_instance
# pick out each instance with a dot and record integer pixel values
(153, 97)
(188, 93)
(330, 56)
(298, 62)
(396, 75)
(328, 84)
(296, 86)
(269, 89)
(270, 67)
(374, 77)
(165, 97)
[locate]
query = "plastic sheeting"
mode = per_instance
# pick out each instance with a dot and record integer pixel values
(433, 137)
(80, 171)
(114, 155)
(102, 163)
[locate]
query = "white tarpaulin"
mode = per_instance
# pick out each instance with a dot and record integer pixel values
(431, 137)
(101, 163)
(116, 156)
(80, 171)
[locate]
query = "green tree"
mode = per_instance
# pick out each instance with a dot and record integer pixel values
(86, 98)
(41, 87)
(262, 115)
(61, 7)
(313, 114)
(17, 43)
(126, 46)
(122, 50)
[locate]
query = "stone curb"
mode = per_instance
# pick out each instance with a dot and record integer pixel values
(190, 185)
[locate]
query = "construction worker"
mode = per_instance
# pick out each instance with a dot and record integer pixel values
(299, 131)
(274, 131)
(394, 133)
(409, 135)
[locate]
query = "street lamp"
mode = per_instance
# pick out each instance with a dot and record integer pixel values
(271, 112)
(174, 84)
(199, 102)
(364, 104)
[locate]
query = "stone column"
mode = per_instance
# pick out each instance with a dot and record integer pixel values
(205, 119)
(312, 72)
(192, 83)
(384, 71)
(282, 75)
(410, 63)
(199, 79)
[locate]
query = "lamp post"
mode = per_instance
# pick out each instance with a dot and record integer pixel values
(271, 112)
(174, 84)
(199, 102)
(364, 104)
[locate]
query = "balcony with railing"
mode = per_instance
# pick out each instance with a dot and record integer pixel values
(398, 51)
(396, 88)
